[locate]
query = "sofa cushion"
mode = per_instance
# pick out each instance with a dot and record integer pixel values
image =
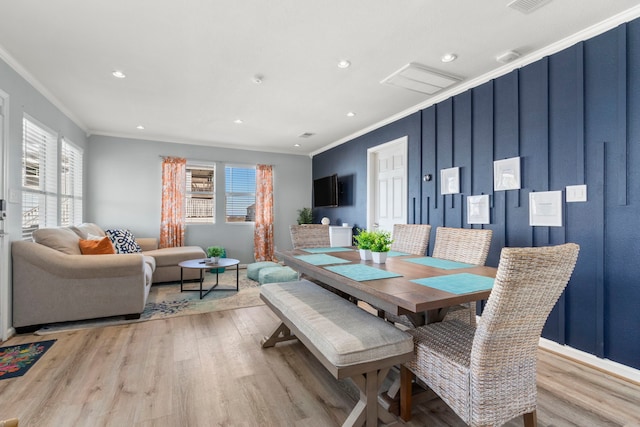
(123, 241)
(166, 257)
(60, 239)
(96, 247)
(87, 229)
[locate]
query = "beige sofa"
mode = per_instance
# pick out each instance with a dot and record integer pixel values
(53, 281)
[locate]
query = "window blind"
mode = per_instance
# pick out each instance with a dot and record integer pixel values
(70, 183)
(39, 177)
(240, 192)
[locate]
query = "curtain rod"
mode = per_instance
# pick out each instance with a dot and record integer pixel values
(210, 161)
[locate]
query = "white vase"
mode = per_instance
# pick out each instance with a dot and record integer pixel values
(379, 257)
(214, 259)
(365, 254)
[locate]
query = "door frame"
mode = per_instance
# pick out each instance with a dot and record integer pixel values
(372, 153)
(6, 329)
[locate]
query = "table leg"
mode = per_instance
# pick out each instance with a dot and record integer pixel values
(181, 278)
(238, 277)
(201, 280)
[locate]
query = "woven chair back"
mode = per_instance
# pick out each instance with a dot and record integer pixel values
(411, 238)
(310, 236)
(528, 283)
(466, 245)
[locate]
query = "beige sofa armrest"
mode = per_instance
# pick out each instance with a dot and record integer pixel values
(77, 266)
(147, 243)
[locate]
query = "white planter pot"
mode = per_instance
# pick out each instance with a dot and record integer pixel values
(214, 259)
(379, 257)
(365, 254)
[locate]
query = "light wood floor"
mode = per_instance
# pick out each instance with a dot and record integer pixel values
(209, 370)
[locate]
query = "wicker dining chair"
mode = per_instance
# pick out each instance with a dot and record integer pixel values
(309, 236)
(467, 245)
(487, 375)
(411, 238)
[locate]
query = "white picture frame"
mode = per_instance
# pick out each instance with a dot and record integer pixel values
(478, 209)
(506, 174)
(545, 209)
(450, 181)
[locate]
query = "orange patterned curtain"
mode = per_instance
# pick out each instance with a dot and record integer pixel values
(263, 237)
(172, 218)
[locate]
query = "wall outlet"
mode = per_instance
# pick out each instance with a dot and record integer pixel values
(14, 196)
(576, 193)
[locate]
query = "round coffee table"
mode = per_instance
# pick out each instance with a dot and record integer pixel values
(204, 264)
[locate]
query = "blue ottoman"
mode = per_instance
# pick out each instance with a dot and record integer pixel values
(277, 275)
(253, 269)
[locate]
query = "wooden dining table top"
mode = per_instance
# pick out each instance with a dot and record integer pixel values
(396, 295)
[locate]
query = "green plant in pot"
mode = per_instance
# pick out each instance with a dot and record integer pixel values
(305, 216)
(363, 239)
(380, 246)
(215, 252)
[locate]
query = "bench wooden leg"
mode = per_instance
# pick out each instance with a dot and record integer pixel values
(282, 333)
(530, 419)
(368, 410)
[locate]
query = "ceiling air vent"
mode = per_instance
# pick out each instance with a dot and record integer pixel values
(306, 135)
(418, 78)
(527, 6)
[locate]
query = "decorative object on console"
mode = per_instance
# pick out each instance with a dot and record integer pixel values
(325, 221)
(123, 241)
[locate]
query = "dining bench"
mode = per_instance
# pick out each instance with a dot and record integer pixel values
(347, 340)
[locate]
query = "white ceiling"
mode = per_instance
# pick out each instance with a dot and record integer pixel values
(190, 64)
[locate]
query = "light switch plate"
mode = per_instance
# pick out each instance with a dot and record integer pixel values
(14, 196)
(576, 193)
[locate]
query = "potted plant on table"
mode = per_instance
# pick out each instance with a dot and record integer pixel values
(305, 216)
(363, 243)
(214, 253)
(380, 246)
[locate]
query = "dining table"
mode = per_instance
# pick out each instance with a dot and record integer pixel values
(420, 287)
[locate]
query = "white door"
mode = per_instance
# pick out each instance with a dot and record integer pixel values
(387, 185)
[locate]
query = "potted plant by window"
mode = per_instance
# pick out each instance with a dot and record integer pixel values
(363, 242)
(214, 253)
(305, 216)
(380, 246)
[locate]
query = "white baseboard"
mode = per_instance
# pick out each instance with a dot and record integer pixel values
(606, 365)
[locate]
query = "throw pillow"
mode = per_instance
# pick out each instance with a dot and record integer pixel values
(96, 247)
(123, 241)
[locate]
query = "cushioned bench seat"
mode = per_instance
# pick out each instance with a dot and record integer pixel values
(347, 340)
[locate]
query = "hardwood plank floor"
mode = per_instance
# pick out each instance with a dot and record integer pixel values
(209, 370)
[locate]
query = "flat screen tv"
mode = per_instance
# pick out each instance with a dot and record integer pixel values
(325, 191)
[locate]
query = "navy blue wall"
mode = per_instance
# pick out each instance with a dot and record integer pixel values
(573, 119)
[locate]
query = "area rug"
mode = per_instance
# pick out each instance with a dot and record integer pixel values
(165, 300)
(16, 360)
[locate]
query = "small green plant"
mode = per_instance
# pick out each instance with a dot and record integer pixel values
(305, 216)
(363, 239)
(215, 251)
(381, 241)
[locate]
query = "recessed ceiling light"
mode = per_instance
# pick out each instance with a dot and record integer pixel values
(140, 127)
(344, 64)
(238, 121)
(119, 74)
(296, 145)
(257, 79)
(351, 114)
(449, 57)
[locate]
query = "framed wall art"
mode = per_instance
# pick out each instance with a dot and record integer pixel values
(545, 209)
(478, 209)
(506, 174)
(450, 180)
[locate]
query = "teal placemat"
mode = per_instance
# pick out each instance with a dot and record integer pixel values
(321, 259)
(323, 250)
(396, 253)
(462, 283)
(361, 272)
(444, 264)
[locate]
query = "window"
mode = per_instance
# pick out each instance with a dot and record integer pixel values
(240, 191)
(200, 200)
(39, 177)
(70, 184)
